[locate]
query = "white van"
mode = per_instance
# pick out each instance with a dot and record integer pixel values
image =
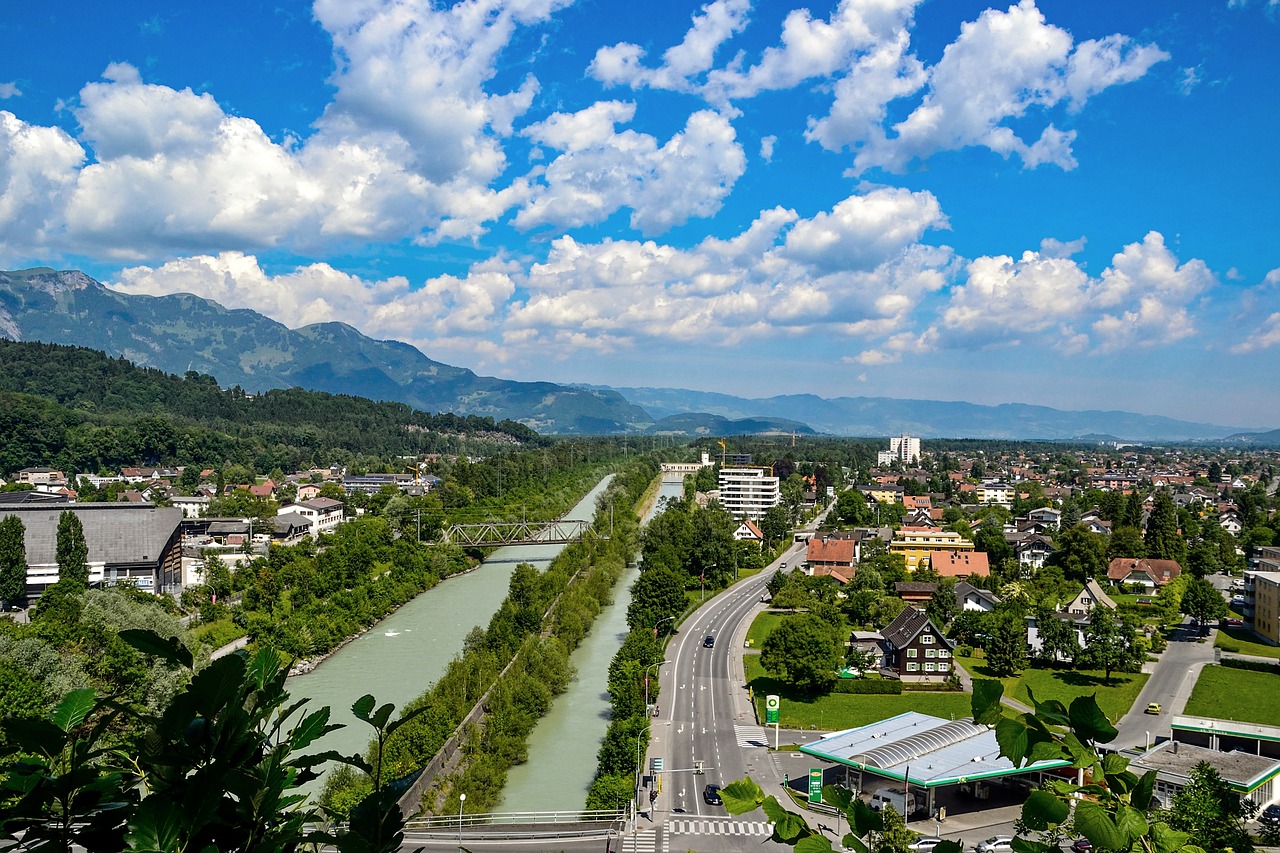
(905, 803)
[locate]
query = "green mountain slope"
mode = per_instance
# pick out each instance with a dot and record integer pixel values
(182, 332)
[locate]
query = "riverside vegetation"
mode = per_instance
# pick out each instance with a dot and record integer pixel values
(520, 660)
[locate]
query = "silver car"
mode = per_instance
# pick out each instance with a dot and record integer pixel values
(995, 844)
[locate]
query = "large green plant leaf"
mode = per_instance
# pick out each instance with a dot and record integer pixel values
(742, 796)
(157, 826)
(788, 826)
(1131, 822)
(314, 725)
(73, 709)
(1043, 810)
(149, 642)
(1143, 791)
(1089, 723)
(986, 701)
(1094, 823)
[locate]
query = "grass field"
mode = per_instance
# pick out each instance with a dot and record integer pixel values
(1115, 699)
(763, 626)
(846, 710)
(1236, 694)
(1243, 641)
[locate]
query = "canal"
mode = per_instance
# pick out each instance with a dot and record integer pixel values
(404, 654)
(563, 746)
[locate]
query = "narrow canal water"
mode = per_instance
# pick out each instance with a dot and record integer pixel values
(407, 652)
(563, 747)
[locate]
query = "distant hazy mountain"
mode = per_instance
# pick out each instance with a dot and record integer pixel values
(925, 418)
(1256, 439)
(701, 423)
(242, 347)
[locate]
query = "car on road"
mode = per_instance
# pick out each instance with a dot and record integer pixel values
(709, 642)
(1233, 623)
(1152, 708)
(1270, 815)
(924, 844)
(995, 844)
(711, 795)
(1082, 845)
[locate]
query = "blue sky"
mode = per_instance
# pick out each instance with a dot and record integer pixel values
(1066, 203)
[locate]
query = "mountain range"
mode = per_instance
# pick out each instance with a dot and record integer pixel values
(182, 332)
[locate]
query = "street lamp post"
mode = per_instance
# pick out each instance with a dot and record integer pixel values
(659, 622)
(462, 798)
(646, 682)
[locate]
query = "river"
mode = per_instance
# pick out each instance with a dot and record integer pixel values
(401, 656)
(563, 746)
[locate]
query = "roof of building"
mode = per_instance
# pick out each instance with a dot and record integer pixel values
(910, 622)
(917, 587)
(1160, 571)
(116, 533)
(952, 564)
(964, 589)
(922, 750)
(1244, 771)
(1096, 592)
(831, 550)
(322, 504)
(30, 496)
(1226, 727)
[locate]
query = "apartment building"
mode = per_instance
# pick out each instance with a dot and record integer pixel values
(748, 492)
(917, 543)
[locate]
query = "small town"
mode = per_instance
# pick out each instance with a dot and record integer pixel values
(834, 603)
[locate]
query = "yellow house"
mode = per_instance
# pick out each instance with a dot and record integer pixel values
(1262, 604)
(915, 544)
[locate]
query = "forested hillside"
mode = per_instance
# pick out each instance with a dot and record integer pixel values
(79, 409)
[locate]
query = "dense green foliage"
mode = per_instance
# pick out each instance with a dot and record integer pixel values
(72, 552)
(79, 410)
(215, 768)
(13, 559)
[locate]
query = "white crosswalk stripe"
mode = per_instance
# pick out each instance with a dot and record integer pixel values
(719, 827)
(749, 736)
(643, 842)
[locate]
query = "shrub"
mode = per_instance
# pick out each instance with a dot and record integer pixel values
(964, 650)
(867, 686)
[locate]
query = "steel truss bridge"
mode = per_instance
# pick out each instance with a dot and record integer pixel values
(491, 533)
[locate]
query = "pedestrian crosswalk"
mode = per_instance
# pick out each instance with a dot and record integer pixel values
(718, 827)
(649, 841)
(749, 736)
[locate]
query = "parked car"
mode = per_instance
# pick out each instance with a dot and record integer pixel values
(1233, 623)
(995, 844)
(1082, 845)
(924, 844)
(1152, 708)
(709, 642)
(711, 795)
(1270, 815)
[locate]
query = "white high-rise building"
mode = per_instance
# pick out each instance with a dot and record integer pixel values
(902, 448)
(748, 492)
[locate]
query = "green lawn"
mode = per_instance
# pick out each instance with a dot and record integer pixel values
(763, 626)
(846, 710)
(1236, 694)
(1243, 641)
(1115, 699)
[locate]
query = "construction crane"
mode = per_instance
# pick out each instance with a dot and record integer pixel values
(723, 451)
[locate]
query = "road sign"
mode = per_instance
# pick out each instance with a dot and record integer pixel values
(655, 764)
(771, 704)
(815, 784)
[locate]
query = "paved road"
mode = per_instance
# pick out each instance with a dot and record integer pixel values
(1170, 685)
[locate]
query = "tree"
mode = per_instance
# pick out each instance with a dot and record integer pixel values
(1108, 644)
(1202, 602)
(990, 540)
(943, 605)
(1163, 540)
(72, 552)
(1126, 542)
(1081, 554)
(775, 525)
(656, 596)
(13, 560)
(851, 508)
(1006, 646)
(803, 650)
(1212, 812)
(1058, 641)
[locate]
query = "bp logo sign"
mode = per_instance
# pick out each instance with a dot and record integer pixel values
(771, 704)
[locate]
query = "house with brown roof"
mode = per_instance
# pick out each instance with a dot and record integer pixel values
(265, 489)
(1089, 597)
(959, 564)
(1148, 573)
(830, 552)
(748, 532)
(915, 592)
(915, 650)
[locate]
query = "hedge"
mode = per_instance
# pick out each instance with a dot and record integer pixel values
(867, 686)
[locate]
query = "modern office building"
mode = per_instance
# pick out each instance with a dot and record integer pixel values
(748, 492)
